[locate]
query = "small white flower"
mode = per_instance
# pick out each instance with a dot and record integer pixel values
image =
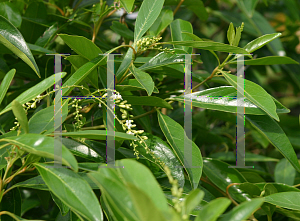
(99, 105)
(128, 124)
(129, 132)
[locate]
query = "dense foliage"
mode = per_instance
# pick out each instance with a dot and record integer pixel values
(151, 180)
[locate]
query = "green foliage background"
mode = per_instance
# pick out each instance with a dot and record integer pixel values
(150, 182)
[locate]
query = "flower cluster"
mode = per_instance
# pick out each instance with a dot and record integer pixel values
(176, 192)
(77, 117)
(147, 43)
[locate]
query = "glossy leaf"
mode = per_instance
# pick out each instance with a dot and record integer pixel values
(280, 187)
(163, 151)
(284, 172)
(82, 150)
(33, 91)
(82, 46)
(249, 157)
(164, 19)
(210, 45)
(144, 79)
(148, 13)
(163, 59)
(175, 136)
(11, 38)
(42, 146)
(270, 60)
(6, 83)
(177, 27)
(43, 121)
(99, 134)
(256, 94)
(222, 99)
(20, 114)
(128, 4)
(260, 42)
(213, 210)
(289, 200)
(147, 101)
(273, 132)
(243, 211)
(221, 175)
(72, 190)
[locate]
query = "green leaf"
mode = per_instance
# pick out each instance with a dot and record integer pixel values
(44, 119)
(177, 27)
(122, 30)
(48, 35)
(248, 6)
(231, 34)
(210, 45)
(243, 211)
(197, 7)
(11, 202)
(250, 157)
(218, 98)
(82, 150)
(139, 175)
(72, 190)
(82, 73)
(273, 132)
(163, 59)
(11, 38)
(260, 42)
(192, 200)
(20, 114)
(289, 200)
(284, 172)
(213, 210)
(99, 135)
(144, 205)
(147, 101)
(33, 91)
(78, 61)
(82, 46)
(270, 60)
(144, 79)
(42, 146)
(175, 136)
(62, 207)
(165, 154)
(148, 13)
(256, 94)
(11, 13)
(6, 83)
(33, 24)
(220, 175)
(132, 85)
(164, 19)
(128, 4)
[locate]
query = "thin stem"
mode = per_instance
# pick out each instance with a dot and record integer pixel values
(178, 6)
(93, 127)
(210, 77)
(58, 8)
(227, 191)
